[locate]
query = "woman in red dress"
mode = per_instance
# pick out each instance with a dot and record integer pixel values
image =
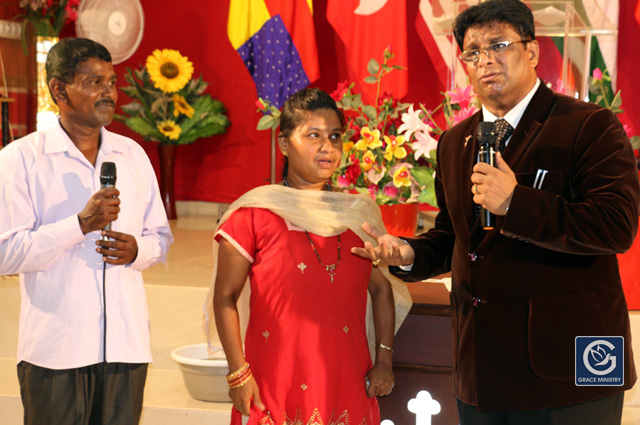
(306, 358)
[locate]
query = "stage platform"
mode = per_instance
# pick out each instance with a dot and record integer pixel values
(175, 293)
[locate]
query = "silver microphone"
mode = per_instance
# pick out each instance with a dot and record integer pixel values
(107, 179)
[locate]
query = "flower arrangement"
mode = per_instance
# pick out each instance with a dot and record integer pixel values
(46, 16)
(389, 147)
(168, 105)
(600, 87)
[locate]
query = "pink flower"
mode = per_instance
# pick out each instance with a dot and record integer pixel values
(597, 74)
(343, 182)
(424, 145)
(376, 173)
(463, 114)
(373, 190)
(390, 190)
(412, 123)
(461, 96)
(627, 130)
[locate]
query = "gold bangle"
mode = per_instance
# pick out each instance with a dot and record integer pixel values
(237, 372)
(386, 347)
(242, 382)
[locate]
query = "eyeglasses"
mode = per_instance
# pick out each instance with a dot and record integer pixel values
(471, 56)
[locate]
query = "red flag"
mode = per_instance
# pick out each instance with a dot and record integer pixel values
(366, 28)
(434, 26)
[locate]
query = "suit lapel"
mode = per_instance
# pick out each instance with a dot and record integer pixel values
(521, 141)
(529, 126)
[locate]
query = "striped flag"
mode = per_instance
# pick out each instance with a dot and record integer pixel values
(276, 40)
(434, 23)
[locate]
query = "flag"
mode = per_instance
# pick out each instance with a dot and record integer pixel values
(434, 25)
(366, 28)
(276, 41)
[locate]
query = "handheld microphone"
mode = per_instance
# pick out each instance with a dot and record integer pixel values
(487, 141)
(107, 179)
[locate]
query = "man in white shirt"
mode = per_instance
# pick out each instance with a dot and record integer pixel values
(73, 367)
(564, 194)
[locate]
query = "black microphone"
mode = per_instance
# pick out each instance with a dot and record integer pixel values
(107, 179)
(487, 141)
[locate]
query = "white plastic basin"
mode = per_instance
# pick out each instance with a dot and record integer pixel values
(203, 375)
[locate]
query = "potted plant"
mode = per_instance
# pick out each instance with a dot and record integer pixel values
(170, 108)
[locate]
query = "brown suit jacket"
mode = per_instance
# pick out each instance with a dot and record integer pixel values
(548, 272)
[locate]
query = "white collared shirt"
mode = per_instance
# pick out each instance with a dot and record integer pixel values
(44, 183)
(515, 114)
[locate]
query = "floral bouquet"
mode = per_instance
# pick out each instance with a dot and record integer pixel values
(389, 147)
(47, 17)
(168, 106)
(600, 87)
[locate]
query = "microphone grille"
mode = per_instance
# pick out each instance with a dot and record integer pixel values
(108, 173)
(486, 132)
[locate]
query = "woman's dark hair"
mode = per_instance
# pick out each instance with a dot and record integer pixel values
(294, 110)
(65, 56)
(512, 12)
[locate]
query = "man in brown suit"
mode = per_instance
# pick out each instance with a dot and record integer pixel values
(565, 197)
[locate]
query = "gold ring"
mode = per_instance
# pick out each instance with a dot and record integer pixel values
(474, 189)
(375, 263)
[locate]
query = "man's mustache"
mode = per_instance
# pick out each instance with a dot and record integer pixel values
(106, 102)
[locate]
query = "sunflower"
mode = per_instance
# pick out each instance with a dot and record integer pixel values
(181, 106)
(169, 70)
(170, 129)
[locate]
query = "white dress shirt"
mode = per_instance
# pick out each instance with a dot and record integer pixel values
(45, 181)
(515, 114)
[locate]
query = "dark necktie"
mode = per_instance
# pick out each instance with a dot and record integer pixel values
(503, 132)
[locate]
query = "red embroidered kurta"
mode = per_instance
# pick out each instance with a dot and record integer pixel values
(306, 339)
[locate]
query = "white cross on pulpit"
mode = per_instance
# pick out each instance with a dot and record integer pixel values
(424, 407)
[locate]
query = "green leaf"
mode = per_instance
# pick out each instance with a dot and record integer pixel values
(635, 142)
(141, 126)
(428, 196)
(134, 109)
(616, 103)
(370, 111)
(373, 67)
(371, 79)
(423, 175)
(266, 122)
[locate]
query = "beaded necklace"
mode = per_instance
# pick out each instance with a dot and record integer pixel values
(330, 268)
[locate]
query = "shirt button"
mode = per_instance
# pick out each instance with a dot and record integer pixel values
(473, 257)
(476, 301)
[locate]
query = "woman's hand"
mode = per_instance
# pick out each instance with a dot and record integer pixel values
(242, 396)
(380, 379)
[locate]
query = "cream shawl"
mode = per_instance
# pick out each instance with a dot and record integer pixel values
(324, 214)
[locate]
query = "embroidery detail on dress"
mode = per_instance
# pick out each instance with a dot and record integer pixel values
(302, 266)
(316, 419)
(304, 386)
(266, 419)
(265, 334)
(346, 329)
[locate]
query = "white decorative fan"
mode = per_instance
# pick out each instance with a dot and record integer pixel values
(116, 24)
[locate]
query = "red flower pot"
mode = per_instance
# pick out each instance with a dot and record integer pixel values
(400, 219)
